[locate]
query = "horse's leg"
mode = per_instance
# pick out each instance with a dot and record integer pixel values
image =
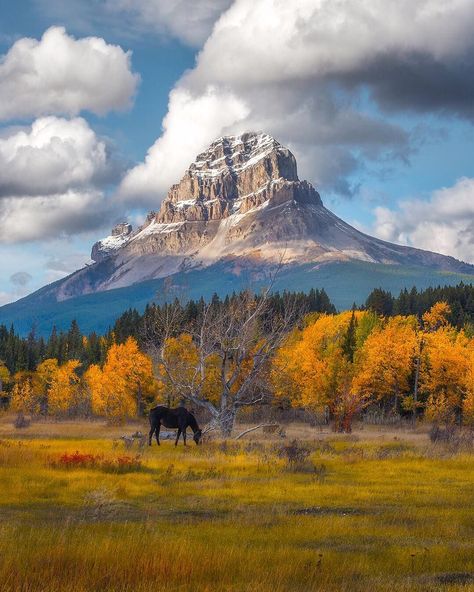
(177, 436)
(184, 435)
(157, 433)
(150, 435)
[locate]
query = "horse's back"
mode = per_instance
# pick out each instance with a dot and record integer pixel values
(156, 413)
(169, 418)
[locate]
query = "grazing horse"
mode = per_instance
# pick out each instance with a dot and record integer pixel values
(173, 418)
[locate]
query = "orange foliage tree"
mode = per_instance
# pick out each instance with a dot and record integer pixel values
(385, 362)
(468, 402)
(23, 398)
(444, 372)
(64, 394)
(56, 388)
(121, 388)
(4, 376)
(314, 367)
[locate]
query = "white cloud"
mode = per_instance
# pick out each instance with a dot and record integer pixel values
(189, 124)
(63, 75)
(299, 70)
(273, 40)
(24, 219)
(52, 156)
(52, 179)
(444, 223)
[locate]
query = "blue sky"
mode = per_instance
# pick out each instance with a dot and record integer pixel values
(375, 100)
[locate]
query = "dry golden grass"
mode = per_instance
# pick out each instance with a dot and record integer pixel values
(364, 513)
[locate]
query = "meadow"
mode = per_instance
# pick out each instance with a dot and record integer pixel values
(370, 511)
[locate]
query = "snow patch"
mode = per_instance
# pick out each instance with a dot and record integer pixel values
(158, 228)
(261, 145)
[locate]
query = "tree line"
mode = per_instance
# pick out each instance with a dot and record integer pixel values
(26, 353)
(413, 302)
(228, 354)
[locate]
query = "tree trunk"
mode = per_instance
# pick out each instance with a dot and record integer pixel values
(226, 421)
(139, 400)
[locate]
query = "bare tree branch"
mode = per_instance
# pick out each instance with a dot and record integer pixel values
(262, 425)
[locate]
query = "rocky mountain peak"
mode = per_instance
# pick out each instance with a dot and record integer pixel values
(234, 175)
(232, 155)
(239, 203)
(119, 236)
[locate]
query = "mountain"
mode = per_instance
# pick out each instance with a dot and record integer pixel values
(239, 210)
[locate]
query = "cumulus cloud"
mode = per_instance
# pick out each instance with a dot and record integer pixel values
(444, 223)
(62, 75)
(28, 218)
(52, 156)
(316, 74)
(21, 278)
(192, 119)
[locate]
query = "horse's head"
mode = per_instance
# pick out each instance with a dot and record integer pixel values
(197, 436)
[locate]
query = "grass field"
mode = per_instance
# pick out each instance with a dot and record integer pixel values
(368, 512)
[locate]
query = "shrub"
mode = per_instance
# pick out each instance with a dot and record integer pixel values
(122, 464)
(21, 421)
(76, 460)
(392, 450)
(452, 437)
(295, 454)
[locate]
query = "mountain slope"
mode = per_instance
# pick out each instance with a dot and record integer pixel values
(345, 283)
(239, 206)
(240, 198)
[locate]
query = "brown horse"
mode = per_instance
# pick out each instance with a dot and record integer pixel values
(179, 418)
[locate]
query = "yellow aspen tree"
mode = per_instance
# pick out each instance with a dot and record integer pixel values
(468, 402)
(42, 380)
(385, 362)
(437, 316)
(63, 389)
(23, 398)
(443, 373)
(179, 366)
(94, 381)
(125, 381)
(4, 376)
(314, 367)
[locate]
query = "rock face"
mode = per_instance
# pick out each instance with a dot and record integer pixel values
(241, 200)
(226, 187)
(107, 246)
(235, 174)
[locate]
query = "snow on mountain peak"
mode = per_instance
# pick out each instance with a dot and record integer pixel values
(120, 235)
(233, 154)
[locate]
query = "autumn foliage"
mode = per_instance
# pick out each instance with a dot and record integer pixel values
(342, 365)
(351, 361)
(119, 389)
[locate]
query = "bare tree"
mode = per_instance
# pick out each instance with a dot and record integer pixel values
(238, 337)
